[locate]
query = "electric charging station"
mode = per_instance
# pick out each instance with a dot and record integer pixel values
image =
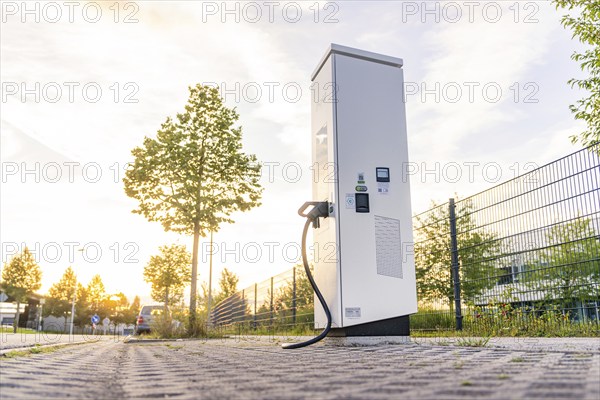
(364, 263)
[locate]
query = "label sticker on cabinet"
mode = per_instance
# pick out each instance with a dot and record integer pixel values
(352, 312)
(360, 177)
(383, 188)
(350, 201)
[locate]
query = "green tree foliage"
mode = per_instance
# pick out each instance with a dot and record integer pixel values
(96, 296)
(21, 277)
(168, 273)
(194, 175)
(60, 299)
(227, 285)
(571, 262)
(284, 298)
(433, 257)
(118, 309)
(131, 314)
(60, 295)
(283, 302)
(136, 304)
(83, 310)
(583, 20)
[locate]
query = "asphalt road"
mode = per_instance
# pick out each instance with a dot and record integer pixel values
(231, 369)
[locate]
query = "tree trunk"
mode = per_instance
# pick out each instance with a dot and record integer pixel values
(17, 314)
(194, 275)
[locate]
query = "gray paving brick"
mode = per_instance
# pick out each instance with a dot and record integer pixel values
(231, 369)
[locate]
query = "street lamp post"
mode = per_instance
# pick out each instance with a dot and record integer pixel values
(74, 300)
(42, 302)
(73, 308)
(210, 263)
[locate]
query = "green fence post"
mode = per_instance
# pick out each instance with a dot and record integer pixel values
(455, 273)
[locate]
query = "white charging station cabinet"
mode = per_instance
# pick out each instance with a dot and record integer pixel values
(363, 252)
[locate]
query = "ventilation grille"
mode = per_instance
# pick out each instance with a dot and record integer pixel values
(388, 247)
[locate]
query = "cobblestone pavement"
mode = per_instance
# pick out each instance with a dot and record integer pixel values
(223, 369)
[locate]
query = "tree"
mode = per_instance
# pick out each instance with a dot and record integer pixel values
(194, 175)
(168, 273)
(284, 299)
(60, 295)
(571, 263)
(21, 276)
(227, 285)
(117, 308)
(82, 306)
(136, 304)
(476, 249)
(586, 29)
(96, 296)
(60, 298)
(304, 299)
(133, 311)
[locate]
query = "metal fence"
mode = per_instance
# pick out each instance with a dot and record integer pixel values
(522, 254)
(282, 303)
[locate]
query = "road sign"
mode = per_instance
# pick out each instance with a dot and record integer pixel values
(95, 319)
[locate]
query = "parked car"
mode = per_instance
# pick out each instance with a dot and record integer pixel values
(146, 315)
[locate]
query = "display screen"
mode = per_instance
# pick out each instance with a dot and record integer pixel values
(383, 174)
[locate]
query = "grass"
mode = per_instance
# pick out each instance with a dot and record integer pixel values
(26, 331)
(249, 329)
(466, 383)
(502, 321)
(582, 355)
(173, 346)
(473, 341)
(37, 349)
(517, 360)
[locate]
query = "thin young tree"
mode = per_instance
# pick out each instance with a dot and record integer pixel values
(21, 277)
(96, 296)
(227, 285)
(60, 295)
(193, 175)
(168, 273)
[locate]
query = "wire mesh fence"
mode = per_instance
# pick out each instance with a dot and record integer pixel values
(528, 254)
(280, 304)
(526, 258)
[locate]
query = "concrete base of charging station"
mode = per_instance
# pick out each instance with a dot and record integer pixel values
(351, 341)
(388, 331)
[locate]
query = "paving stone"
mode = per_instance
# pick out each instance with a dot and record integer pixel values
(262, 370)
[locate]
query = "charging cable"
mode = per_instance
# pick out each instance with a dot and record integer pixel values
(319, 209)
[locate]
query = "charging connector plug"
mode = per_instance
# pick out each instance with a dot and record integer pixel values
(320, 209)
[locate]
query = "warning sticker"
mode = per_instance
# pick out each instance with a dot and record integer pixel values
(352, 312)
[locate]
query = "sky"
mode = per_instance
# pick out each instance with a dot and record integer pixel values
(84, 82)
